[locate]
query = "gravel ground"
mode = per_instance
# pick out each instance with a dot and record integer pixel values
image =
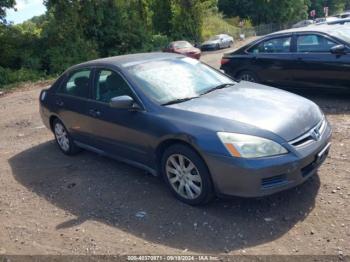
(54, 204)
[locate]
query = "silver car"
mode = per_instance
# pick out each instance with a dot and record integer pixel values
(217, 42)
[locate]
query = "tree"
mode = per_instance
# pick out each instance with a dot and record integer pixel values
(162, 16)
(266, 11)
(3, 5)
(187, 18)
(63, 35)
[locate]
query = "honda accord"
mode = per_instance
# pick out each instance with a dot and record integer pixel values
(178, 118)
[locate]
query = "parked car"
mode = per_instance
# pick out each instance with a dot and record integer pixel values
(315, 56)
(344, 15)
(218, 42)
(173, 116)
(343, 21)
(183, 48)
(325, 20)
(303, 23)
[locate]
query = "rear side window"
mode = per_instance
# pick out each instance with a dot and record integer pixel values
(276, 45)
(314, 44)
(77, 84)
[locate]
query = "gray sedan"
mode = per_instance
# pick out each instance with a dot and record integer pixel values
(217, 42)
(177, 118)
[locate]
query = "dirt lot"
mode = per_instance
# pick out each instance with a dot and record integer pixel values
(87, 204)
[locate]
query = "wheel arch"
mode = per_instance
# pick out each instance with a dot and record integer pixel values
(160, 149)
(52, 119)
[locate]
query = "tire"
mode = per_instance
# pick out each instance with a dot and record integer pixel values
(217, 47)
(192, 186)
(63, 139)
(247, 76)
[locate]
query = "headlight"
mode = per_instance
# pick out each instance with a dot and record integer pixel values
(250, 146)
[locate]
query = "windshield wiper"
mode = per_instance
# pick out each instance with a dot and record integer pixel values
(179, 100)
(218, 87)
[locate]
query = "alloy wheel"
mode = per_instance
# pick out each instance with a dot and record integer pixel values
(62, 137)
(183, 176)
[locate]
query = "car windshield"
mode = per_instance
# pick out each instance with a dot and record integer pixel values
(343, 34)
(183, 44)
(217, 37)
(178, 79)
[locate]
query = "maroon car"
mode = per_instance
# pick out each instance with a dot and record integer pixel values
(183, 48)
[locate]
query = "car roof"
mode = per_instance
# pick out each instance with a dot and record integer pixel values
(327, 29)
(179, 41)
(127, 60)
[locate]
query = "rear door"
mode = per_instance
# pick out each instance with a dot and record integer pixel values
(71, 101)
(271, 60)
(317, 66)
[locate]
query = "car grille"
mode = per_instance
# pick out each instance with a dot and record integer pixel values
(312, 135)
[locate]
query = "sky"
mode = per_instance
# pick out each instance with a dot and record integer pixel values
(26, 9)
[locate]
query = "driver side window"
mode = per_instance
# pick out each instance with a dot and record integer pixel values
(110, 84)
(314, 44)
(275, 45)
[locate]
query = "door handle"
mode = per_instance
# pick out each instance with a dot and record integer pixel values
(59, 103)
(94, 113)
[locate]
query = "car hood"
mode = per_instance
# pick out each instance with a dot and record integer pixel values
(283, 113)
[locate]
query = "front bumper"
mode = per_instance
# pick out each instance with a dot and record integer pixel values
(260, 177)
(195, 55)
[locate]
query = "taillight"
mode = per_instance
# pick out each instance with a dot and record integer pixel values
(43, 95)
(224, 61)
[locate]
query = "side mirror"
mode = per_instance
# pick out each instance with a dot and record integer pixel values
(122, 102)
(338, 50)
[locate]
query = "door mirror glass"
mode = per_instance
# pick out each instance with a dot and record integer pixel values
(338, 49)
(122, 102)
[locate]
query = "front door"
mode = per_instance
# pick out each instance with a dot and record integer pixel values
(317, 66)
(119, 132)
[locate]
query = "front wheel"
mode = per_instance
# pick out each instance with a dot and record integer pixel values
(187, 175)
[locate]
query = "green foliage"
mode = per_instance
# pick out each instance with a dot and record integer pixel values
(8, 76)
(214, 24)
(335, 6)
(279, 11)
(266, 11)
(158, 42)
(162, 16)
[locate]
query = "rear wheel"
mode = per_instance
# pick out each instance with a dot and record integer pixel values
(186, 175)
(63, 139)
(247, 76)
